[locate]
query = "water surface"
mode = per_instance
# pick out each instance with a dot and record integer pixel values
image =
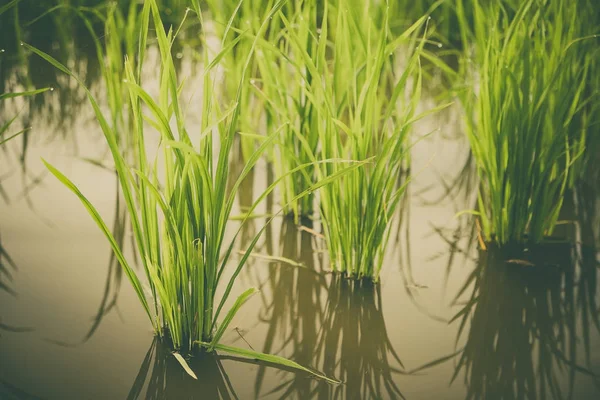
(71, 327)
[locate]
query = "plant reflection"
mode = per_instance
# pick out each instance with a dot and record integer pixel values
(161, 377)
(355, 331)
(91, 38)
(114, 273)
(523, 340)
(11, 392)
(296, 306)
(587, 214)
(61, 33)
(329, 322)
(6, 266)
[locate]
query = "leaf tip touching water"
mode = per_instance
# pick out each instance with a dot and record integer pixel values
(185, 365)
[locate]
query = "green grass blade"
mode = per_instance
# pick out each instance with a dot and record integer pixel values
(277, 360)
(240, 301)
(8, 6)
(2, 141)
(24, 94)
(185, 365)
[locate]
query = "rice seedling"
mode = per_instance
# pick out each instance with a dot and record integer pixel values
(275, 103)
(283, 81)
(364, 110)
(298, 72)
(235, 22)
(300, 78)
(583, 21)
(519, 122)
(179, 223)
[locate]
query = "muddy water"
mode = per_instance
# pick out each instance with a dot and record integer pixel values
(445, 322)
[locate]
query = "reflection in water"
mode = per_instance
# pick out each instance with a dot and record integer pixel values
(91, 38)
(73, 32)
(587, 211)
(354, 330)
(11, 392)
(6, 266)
(60, 28)
(343, 334)
(458, 188)
(523, 340)
(114, 273)
(295, 308)
(161, 377)
(61, 33)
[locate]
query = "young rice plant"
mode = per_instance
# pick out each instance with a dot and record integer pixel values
(363, 109)
(179, 223)
(519, 124)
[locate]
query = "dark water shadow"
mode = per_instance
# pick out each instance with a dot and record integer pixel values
(461, 240)
(295, 308)
(527, 327)
(7, 269)
(74, 33)
(327, 322)
(61, 33)
(354, 330)
(11, 392)
(161, 377)
(527, 324)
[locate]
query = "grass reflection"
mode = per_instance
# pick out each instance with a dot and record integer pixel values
(328, 321)
(161, 377)
(524, 334)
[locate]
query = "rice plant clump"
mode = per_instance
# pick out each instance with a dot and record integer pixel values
(294, 62)
(363, 110)
(236, 22)
(328, 75)
(179, 222)
(519, 121)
